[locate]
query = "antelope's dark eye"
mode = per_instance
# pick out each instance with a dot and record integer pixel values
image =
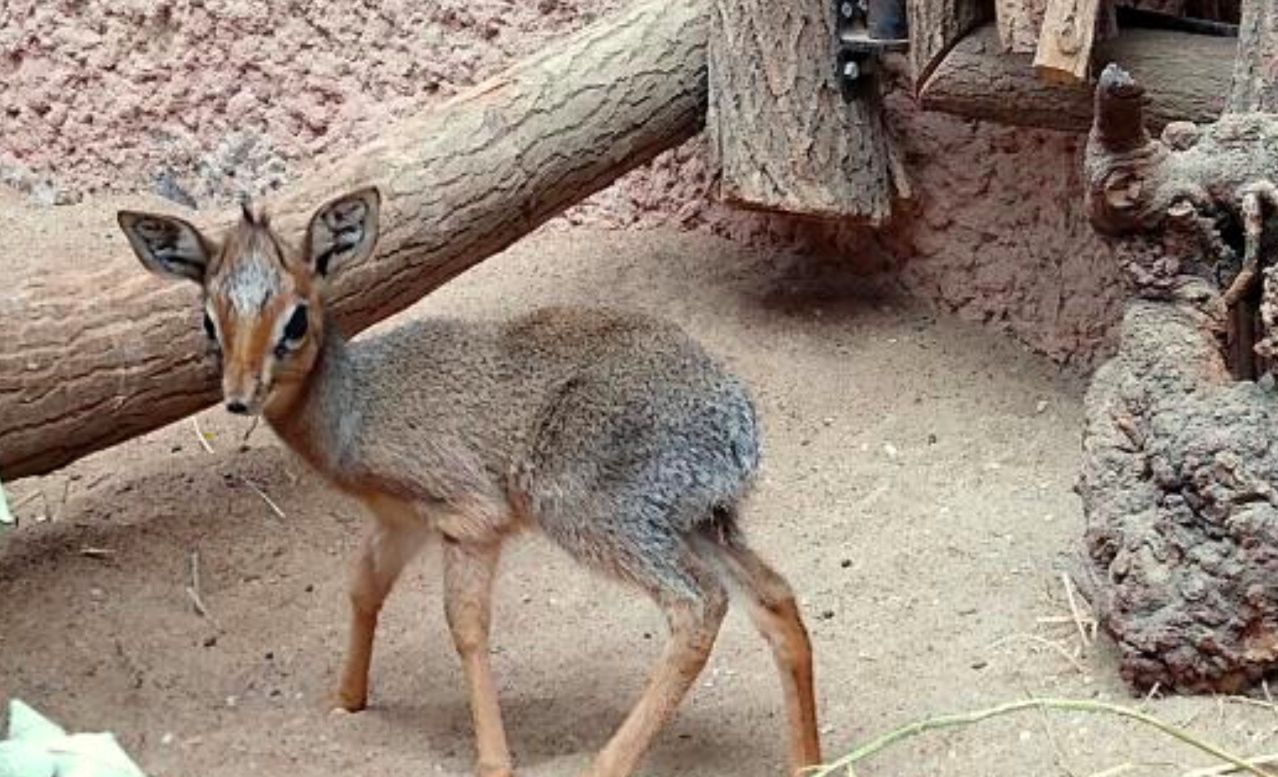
(295, 329)
(209, 329)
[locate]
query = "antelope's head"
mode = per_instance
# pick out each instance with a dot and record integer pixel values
(262, 302)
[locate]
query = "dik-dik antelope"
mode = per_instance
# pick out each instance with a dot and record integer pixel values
(613, 433)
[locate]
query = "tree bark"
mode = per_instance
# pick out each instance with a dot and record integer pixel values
(1255, 85)
(780, 130)
(1179, 550)
(1186, 77)
(94, 351)
(935, 26)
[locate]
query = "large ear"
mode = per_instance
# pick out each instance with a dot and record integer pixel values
(342, 230)
(167, 245)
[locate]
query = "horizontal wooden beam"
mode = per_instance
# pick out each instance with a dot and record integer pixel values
(1186, 76)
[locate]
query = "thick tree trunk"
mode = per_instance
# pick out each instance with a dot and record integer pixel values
(91, 357)
(781, 132)
(1186, 77)
(1255, 86)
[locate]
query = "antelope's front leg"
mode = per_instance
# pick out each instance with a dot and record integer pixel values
(468, 583)
(386, 550)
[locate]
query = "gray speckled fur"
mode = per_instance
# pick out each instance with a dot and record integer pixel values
(621, 433)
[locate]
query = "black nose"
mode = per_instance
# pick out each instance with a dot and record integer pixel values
(238, 407)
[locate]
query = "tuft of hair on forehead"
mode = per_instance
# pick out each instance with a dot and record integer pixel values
(252, 268)
(251, 215)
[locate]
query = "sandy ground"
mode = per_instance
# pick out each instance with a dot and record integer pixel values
(917, 492)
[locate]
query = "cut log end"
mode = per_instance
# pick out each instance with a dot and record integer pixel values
(1119, 123)
(1115, 82)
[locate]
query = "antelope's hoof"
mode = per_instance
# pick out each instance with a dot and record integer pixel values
(348, 703)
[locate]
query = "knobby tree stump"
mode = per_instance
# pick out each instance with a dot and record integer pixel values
(1180, 467)
(1178, 489)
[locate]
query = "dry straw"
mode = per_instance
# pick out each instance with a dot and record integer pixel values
(844, 766)
(6, 517)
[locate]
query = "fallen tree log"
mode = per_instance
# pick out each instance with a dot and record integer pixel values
(93, 355)
(1185, 76)
(1178, 489)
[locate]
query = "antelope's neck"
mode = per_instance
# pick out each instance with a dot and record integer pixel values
(311, 418)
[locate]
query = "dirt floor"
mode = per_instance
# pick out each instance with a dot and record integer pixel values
(917, 492)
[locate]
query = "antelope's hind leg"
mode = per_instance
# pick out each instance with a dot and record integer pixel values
(469, 572)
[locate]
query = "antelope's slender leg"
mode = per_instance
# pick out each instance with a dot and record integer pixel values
(468, 583)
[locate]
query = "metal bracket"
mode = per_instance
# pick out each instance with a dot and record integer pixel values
(864, 30)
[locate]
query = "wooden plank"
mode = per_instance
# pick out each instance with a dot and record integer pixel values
(935, 26)
(1186, 76)
(780, 130)
(1065, 40)
(1019, 22)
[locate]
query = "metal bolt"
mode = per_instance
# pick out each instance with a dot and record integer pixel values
(847, 9)
(864, 5)
(851, 70)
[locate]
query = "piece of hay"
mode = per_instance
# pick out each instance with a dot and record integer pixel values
(6, 517)
(846, 764)
(38, 747)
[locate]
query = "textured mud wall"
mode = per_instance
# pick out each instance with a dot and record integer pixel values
(999, 234)
(222, 95)
(199, 100)
(996, 232)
